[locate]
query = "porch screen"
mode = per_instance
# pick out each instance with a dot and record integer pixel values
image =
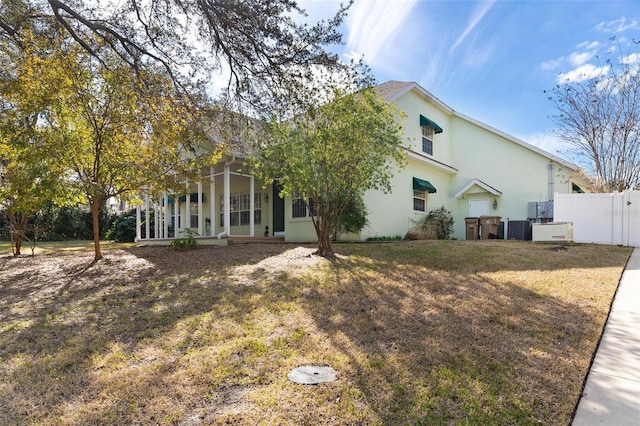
(240, 206)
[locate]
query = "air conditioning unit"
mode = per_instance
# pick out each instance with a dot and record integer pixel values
(552, 232)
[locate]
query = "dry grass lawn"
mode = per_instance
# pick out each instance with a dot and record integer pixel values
(419, 332)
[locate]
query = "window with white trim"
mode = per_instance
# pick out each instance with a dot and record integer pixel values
(240, 209)
(428, 134)
(172, 222)
(193, 215)
(299, 209)
(419, 200)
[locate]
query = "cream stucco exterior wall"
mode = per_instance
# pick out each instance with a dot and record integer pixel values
(515, 172)
(520, 174)
(509, 173)
(297, 230)
(392, 214)
(414, 106)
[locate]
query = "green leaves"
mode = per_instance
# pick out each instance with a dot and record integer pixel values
(74, 125)
(333, 153)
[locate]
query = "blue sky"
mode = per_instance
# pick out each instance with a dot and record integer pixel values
(490, 60)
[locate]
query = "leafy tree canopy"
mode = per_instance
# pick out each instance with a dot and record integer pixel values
(94, 124)
(333, 152)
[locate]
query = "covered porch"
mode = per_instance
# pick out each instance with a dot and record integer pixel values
(224, 204)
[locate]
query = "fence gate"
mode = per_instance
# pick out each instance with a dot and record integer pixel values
(612, 218)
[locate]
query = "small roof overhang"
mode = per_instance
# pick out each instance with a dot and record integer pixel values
(423, 185)
(431, 162)
(576, 188)
(424, 121)
(477, 182)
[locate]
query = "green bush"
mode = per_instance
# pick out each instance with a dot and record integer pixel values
(396, 238)
(123, 228)
(55, 223)
(188, 242)
(354, 218)
(444, 222)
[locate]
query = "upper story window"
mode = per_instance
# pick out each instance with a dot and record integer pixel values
(429, 129)
(428, 133)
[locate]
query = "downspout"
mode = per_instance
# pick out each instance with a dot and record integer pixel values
(550, 180)
(146, 217)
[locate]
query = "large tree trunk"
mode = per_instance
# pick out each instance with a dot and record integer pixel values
(325, 229)
(95, 217)
(18, 223)
(324, 243)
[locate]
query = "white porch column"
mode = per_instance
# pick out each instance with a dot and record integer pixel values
(156, 222)
(252, 206)
(165, 215)
(187, 214)
(146, 216)
(176, 213)
(227, 196)
(138, 224)
(200, 218)
(212, 190)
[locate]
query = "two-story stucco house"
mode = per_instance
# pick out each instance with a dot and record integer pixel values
(454, 161)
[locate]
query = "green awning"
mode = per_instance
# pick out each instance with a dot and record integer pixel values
(576, 188)
(424, 121)
(193, 198)
(423, 185)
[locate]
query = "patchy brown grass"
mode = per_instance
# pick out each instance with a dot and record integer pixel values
(419, 333)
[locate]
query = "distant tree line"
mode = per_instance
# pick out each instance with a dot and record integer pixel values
(59, 223)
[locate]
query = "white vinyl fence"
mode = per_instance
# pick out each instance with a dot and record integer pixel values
(601, 218)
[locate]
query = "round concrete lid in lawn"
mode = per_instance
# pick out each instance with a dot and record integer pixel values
(312, 375)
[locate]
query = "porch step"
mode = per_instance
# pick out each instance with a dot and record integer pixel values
(235, 239)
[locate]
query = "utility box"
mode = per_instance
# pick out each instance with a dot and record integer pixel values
(473, 228)
(553, 232)
(489, 227)
(540, 211)
(519, 230)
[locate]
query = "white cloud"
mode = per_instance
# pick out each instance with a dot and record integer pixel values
(352, 56)
(478, 14)
(589, 45)
(553, 64)
(582, 73)
(632, 59)
(576, 59)
(479, 53)
(618, 25)
(548, 142)
(374, 22)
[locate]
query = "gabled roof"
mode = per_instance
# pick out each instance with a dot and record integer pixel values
(392, 90)
(477, 182)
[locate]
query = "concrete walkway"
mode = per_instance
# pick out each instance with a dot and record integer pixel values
(612, 392)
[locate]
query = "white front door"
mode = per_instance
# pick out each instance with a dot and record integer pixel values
(478, 208)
